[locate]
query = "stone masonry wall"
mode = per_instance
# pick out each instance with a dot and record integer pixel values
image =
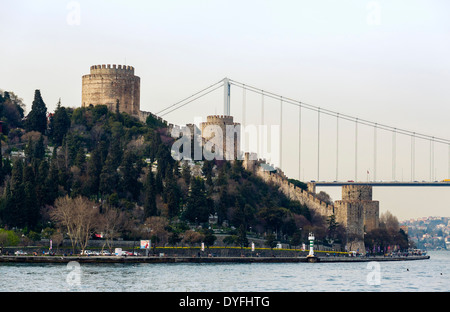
(356, 211)
(106, 84)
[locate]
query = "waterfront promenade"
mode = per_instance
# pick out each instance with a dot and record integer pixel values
(172, 259)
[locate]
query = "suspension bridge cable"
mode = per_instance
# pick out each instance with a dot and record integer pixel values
(318, 144)
(300, 144)
(356, 150)
(221, 81)
(375, 153)
(337, 146)
(341, 116)
(281, 133)
(220, 86)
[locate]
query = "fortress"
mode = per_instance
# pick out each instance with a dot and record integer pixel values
(114, 86)
(356, 211)
(119, 89)
(230, 145)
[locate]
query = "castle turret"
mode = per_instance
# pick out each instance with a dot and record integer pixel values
(229, 147)
(358, 213)
(112, 85)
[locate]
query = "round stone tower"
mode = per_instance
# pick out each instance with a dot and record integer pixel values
(229, 147)
(112, 85)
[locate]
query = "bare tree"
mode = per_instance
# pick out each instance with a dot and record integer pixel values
(78, 217)
(389, 221)
(191, 237)
(57, 239)
(111, 222)
(325, 197)
(156, 229)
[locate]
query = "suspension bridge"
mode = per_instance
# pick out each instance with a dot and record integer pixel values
(327, 143)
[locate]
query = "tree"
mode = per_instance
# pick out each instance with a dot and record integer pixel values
(14, 212)
(270, 240)
(198, 206)
(242, 240)
(11, 111)
(94, 169)
(155, 228)
(2, 174)
(296, 239)
(332, 228)
(109, 178)
(77, 217)
(39, 149)
(174, 238)
(8, 238)
(31, 204)
(230, 240)
(111, 222)
(191, 237)
(149, 196)
(389, 221)
(172, 195)
(209, 237)
(130, 170)
(186, 173)
(37, 118)
(59, 124)
(325, 197)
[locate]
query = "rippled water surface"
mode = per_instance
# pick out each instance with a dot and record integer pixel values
(431, 275)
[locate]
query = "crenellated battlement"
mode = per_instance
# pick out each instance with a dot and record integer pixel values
(115, 86)
(356, 211)
(108, 69)
(220, 119)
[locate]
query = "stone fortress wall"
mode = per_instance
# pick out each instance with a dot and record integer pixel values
(111, 85)
(230, 134)
(356, 211)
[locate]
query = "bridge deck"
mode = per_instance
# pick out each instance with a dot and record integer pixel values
(393, 183)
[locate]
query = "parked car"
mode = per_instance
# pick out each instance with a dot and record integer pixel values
(20, 253)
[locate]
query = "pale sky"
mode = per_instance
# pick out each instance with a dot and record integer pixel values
(384, 61)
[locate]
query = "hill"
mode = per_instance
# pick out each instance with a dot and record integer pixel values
(121, 164)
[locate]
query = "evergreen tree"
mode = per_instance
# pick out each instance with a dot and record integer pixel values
(14, 214)
(130, 170)
(51, 183)
(150, 196)
(242, 240)
(94, 169)
(172, 195)
(37, 118)
(186, 173)
(109, 178)
(39, 149)
(198, 206)
(2, 174)
(41, 185)
(30, 203)
(29, 150)
(59, 124)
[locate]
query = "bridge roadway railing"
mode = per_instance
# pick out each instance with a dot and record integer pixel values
(387, 183)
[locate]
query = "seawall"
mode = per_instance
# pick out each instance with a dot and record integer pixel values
(137, 259)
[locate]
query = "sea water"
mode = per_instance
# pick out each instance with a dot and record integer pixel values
(432, 275)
